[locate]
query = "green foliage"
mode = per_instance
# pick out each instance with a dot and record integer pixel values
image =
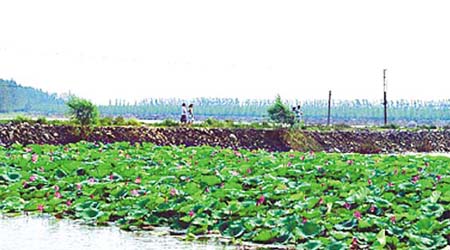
(281, 113)
(310, 200)
(119, 121)
(106, 121)
(169, 123)
(390, 126)
(42, 120)
(82, 111)
(21, 119)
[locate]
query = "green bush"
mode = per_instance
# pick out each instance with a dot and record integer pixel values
(21, 118)
(42, 120)
(119, 121)
(106, 121)
(281, 113)
(169, 123)
(82, 111)
(133, 122)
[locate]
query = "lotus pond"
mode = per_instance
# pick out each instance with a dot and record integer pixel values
(300, 200)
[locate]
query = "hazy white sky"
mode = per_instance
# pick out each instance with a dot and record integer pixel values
(106, 49)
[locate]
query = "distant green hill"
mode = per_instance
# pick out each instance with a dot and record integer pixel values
(17, 98)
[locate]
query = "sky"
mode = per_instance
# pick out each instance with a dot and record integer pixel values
(110, 49)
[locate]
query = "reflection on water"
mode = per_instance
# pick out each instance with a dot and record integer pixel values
(35, 233)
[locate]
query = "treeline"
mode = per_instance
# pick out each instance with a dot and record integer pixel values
(16, 98)
(315, 111)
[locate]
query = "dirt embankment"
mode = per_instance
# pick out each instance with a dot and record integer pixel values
(273, 140)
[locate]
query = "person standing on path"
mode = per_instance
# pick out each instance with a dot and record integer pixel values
(191, 114)
(184, 113)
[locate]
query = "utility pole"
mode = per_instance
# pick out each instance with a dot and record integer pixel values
(329, 108)
(385, 98)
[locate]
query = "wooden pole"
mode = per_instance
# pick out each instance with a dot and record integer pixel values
(329, 108)
(385, 96)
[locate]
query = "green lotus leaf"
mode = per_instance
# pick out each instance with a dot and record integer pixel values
(211, 180)
(265, 235)
(336, 246)
(310, 245)
(346, 225)
(310, 229)
(236, 230)
(12, 177)
(90, 214)
(59, 173)
(433, 210)
(338, 235)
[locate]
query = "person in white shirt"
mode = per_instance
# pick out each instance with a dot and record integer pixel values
(184, 113)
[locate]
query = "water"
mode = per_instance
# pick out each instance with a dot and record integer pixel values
(35, 233)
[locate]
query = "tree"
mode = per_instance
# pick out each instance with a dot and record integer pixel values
(82, 111)
(281, 113)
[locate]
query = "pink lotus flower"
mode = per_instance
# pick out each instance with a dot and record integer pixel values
(68, 203)
(438, 178)
(28, 150)
(311, 153)
(32, 178)
(350, 162)
(357, 215)
(41, 169)
(91, 196)
(25, 184)
(173, 192)
(111, 177)
(138, 180)
(58, 195)
(91, 180)
(289, 164)
(56, 188)
(127, 156)
(369, 181)
(347, 206)
(207, 190)
(40, 207)
(34, 158)
(302, 158)
(372, 209)
(390, 184)
(234, 173)
(415, 179)
(320, 201)
(191, 213)
(355, 242)
(393, 219)
(222, 185)
(304, 220)
(249, 170)
(260, 200)
(79, 186)
(134, 192)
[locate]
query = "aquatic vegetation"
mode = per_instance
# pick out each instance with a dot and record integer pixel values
(311, 200)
